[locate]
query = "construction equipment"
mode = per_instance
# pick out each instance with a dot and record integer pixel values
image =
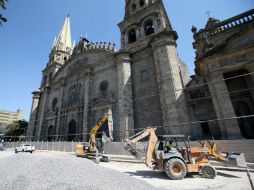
(90, 150)
(165, 154)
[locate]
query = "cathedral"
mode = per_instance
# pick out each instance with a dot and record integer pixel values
(145, 83)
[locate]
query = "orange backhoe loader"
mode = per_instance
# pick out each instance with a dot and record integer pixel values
(165, 154)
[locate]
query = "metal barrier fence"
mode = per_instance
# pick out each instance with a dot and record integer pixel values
(117, 148)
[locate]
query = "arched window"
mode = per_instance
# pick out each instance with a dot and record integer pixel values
(132, 36)
(149, 28)
(141, 3)
(45, 79)
(133, 7)
(54, 104)
(50, 76)
(103, 86)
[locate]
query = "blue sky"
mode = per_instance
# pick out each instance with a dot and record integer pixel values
(27, 37)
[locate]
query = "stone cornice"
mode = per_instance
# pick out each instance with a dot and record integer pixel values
(36, 94)
(165, 37)
(224, 55)
(122, 56)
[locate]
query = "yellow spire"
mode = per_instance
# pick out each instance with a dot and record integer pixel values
(63, 42)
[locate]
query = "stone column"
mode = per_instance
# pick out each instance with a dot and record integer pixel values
(59, 112)
(223, 106)
(173, 107)
(125, 97)
(41, 117)
(86, 106)
(33, 114)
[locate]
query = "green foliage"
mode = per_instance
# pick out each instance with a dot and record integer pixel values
(2, 6)
(17, 129)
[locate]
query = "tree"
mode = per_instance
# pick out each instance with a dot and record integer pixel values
(2, 5)
(17, 129)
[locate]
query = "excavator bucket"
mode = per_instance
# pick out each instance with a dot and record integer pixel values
(236, 159)
(132, 150)
(220, 153)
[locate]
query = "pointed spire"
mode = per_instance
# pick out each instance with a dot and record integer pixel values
(54, 43)
(63, 42)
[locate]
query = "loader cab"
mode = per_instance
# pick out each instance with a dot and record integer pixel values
(169, 142)
(173, 145)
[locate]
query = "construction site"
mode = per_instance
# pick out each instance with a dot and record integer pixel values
(144, 160)
(134, 118)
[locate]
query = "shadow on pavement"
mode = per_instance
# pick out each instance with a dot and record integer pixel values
(235, 169)
(227, 175)
(148, 174)
(153, 174)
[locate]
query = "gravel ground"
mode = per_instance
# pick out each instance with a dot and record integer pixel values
(225, 180)
(26, 171)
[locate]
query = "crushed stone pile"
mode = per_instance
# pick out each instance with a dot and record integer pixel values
(35, 172)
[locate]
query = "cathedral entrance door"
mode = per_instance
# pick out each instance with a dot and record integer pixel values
(50, 133)
(246, 123)
(72, 130)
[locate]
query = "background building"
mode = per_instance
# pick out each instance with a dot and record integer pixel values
(7, 117)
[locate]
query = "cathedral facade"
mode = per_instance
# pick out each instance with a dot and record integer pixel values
(221, 95)
(145, 83)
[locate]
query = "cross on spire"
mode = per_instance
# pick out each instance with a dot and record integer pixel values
(208, 13)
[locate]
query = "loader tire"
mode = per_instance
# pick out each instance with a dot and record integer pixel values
(106, 159)
(175, 168)
(96, 160)
(208, 171)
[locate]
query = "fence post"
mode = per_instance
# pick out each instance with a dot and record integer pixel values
(109, 147)
(64, 146)
(123, 146)
(72, 146)
(41, 144)
(52, 145)
(47, 145)
(58, 145)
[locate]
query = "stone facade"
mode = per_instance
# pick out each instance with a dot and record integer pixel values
(145, 83)
(224, 64)
(138, 82)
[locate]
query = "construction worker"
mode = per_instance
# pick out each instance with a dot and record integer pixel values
(169, 146)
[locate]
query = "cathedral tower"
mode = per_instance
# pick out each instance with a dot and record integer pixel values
(143, 18)
(147, 35)
(60, 53)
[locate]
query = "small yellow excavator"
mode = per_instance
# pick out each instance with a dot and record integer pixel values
(165, 154)
(89, 150)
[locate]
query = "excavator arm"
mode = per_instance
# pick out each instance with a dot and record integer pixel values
(96, 128)
(151, 146)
